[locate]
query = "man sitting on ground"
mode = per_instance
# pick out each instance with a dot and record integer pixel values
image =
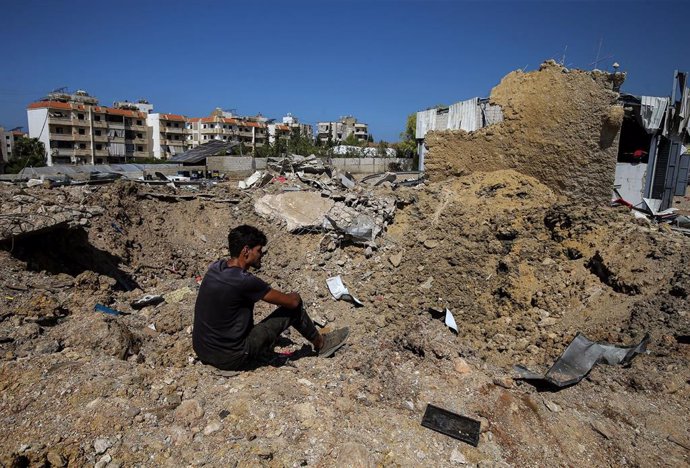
(224, 332)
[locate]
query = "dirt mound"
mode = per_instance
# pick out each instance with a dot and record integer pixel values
(560, 126)
(521, 268)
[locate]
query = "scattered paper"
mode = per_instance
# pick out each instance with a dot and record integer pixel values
(450, 321)
(339, 291)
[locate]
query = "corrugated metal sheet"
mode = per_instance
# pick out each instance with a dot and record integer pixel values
(426, 121)
(652, 110)
(464, 115)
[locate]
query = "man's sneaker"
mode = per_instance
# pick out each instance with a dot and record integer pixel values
(333, 341)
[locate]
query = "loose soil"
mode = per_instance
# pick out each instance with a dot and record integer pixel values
(521, 268)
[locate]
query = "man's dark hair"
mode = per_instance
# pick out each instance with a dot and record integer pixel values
(244, 235)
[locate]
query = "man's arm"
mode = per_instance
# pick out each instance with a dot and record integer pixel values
(291, 300)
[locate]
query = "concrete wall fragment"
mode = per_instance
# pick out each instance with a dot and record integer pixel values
(560, 126)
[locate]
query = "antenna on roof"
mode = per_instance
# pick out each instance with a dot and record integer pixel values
(60, 90)
(563, 57)
(597, 59)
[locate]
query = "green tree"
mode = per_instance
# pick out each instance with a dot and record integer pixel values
(382, 149)
(27, 152)
(351, 140)
(408, 143)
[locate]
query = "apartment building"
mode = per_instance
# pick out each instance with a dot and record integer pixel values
(294, 125)
(225, 126)
(76, 130)
(5, 148)
(277, 131)
(168, 134)
(340, 130)
(7, 139)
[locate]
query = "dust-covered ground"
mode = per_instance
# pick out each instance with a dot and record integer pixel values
(521, 269)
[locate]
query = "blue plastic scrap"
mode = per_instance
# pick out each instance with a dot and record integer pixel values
(106, 310)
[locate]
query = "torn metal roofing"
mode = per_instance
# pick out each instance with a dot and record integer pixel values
(82, 171)
(198, 154)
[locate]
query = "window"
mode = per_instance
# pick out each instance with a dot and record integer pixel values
(139, 122)
(99, 147)
(140, 148)
(97, 118)
(82, 145)
(57, 130)
(80, 116)
(97, 132)
(82, 131)
(139, 135)
(128, 121)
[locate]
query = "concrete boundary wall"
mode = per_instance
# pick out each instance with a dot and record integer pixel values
(241, 165)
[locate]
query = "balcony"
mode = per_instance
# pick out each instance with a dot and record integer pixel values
(60, 120)
(134, 126)
(211, 130)
(80, 122)
(78, 137)
(101, 138)
(99, 123)
(60, 136)
(168, 129)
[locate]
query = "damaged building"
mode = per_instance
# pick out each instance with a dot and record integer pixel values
(560, 126)
(572, 130)
(652, 164)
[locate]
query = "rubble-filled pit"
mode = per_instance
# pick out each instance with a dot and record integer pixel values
(521, 268)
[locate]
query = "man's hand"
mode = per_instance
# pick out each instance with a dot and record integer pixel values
(291, 300)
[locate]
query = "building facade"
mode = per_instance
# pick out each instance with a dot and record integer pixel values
(75, 130)
(340, 130)
(168, 134)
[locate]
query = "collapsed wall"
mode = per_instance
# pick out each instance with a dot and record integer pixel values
(560, 126)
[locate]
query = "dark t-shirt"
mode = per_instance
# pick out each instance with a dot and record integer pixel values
(224, 313)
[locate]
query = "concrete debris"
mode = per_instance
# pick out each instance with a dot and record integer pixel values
(176, 296)
(521, 264)
(360, 219)
(296, 163)
(298, 211)
(396, 259)
(256, 180)
(347, 180)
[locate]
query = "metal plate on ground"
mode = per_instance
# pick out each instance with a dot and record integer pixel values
(452, 425)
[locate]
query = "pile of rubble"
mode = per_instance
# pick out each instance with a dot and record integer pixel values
(345, 208)
(96, 364)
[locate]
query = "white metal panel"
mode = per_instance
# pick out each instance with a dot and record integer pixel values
(652, 111)
(426, 121)
(464, 115)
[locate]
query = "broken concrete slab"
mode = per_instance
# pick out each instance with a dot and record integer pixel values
(298, 210)
(257, 180)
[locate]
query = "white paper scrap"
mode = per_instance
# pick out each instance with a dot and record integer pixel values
(450, 321)
(339, 291)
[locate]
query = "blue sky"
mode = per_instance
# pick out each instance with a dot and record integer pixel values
(378, 60)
